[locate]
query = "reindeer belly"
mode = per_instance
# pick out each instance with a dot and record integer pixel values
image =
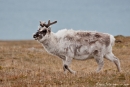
(83, 57)
(82, 54)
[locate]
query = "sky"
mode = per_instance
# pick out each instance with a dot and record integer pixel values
(19, 19)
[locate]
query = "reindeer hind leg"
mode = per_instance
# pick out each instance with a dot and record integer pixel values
(114, 59)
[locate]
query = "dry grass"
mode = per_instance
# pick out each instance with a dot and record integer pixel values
(27, 64)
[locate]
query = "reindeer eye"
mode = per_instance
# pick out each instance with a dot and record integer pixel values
(44, 31)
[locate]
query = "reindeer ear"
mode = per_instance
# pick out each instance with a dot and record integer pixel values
(42, 23)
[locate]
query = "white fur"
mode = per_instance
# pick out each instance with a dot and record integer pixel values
(59, 44)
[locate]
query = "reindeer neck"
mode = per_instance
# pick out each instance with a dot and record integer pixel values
(50, 43)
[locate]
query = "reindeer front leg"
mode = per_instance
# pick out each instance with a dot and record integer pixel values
(66, 64)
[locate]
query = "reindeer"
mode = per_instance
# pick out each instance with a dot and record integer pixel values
(80, 45)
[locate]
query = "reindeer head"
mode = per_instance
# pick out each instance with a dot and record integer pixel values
(43, 30)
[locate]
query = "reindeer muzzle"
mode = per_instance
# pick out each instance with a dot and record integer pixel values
(36, 35)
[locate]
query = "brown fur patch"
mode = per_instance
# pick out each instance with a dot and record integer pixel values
(70, 38)
(92, 42)
(77, 49)
(97, 35)
(107, 40)
(102, 38)
(83, 34)
(90, 38)
(95, 52)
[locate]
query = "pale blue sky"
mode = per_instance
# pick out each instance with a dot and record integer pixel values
(19, 19)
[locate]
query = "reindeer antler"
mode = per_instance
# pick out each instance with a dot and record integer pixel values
(47, 25)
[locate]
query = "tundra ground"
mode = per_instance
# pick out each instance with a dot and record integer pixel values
(27, 64)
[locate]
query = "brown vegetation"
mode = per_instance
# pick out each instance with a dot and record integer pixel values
(27, 64)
